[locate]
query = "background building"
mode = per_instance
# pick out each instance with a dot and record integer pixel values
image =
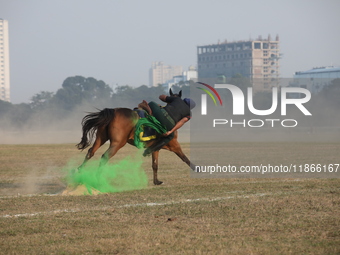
(255, 59)
(160, 73)
(315, 79)
(186, 76)
(4, 61)
(191, 74)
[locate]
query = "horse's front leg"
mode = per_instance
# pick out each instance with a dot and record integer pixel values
(155, 168)
(186, 160)
(175, 147)
(178, 151)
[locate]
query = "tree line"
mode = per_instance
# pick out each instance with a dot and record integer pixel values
(78, 95)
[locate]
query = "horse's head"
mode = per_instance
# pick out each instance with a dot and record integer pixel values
(175, 95)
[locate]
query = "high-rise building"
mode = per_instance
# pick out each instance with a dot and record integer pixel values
(4, 61)
(160, 73)
(256, 59)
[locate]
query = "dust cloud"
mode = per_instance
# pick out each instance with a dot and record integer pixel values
(48, 127)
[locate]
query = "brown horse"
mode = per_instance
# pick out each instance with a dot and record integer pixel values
(118, 126)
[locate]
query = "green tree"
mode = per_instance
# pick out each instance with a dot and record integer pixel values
(5, 107)
(41, 100)
(130, 97)
(20, 114)
(78, 89)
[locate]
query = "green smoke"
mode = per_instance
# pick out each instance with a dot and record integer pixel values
(126, 174)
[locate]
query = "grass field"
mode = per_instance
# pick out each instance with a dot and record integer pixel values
(183, 216)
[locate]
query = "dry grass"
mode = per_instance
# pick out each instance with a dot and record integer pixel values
(183, 216)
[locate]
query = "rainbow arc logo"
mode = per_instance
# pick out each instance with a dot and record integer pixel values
(204, 97)
(209, 93)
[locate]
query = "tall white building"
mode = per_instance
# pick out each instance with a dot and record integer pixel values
(4, 61)
(160, 73)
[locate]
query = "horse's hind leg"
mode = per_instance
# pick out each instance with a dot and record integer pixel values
(111, 151)
(118, 132)
(101, 138)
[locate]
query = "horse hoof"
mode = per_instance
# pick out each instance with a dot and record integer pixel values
(157, 182)
(75, 170)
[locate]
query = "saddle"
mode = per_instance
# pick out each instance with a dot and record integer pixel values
(147, 133)
(147, 127)
(145, 106)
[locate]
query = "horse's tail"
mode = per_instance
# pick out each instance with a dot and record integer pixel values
(90, 124)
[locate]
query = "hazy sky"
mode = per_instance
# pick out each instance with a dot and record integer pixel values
(116, 41)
